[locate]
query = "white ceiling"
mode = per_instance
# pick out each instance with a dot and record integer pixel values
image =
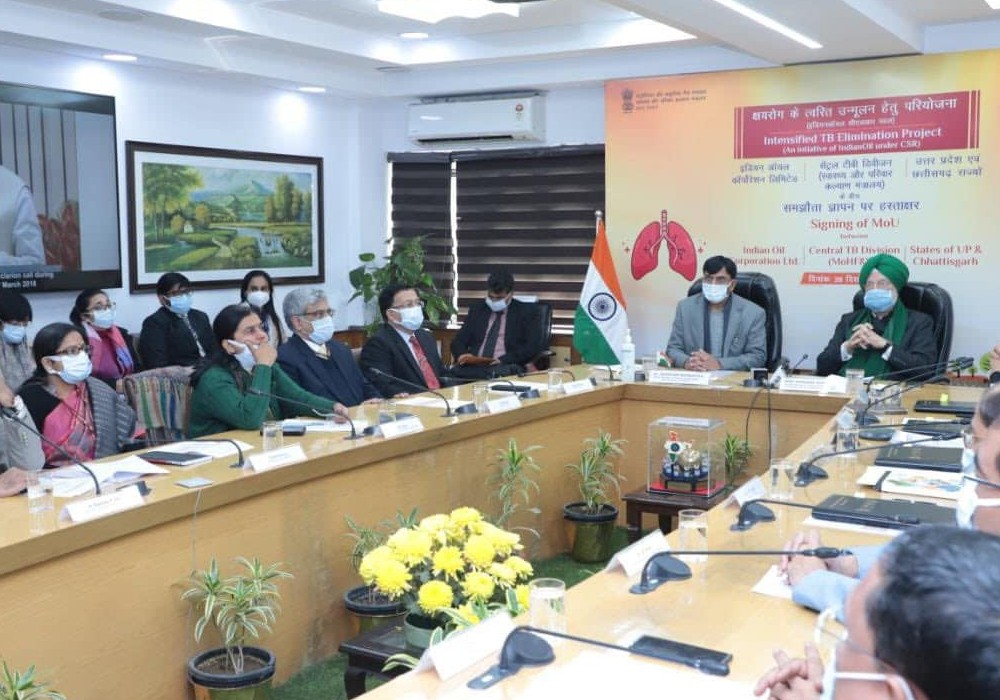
(351, 49)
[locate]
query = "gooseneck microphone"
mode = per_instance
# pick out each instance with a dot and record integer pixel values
(863, 415)
(240, 463)
(448, 413)
(523, 392)
(665, 566)
(257, 392)
(11, 414)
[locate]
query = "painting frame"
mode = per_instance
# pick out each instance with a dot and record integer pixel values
(191, 201)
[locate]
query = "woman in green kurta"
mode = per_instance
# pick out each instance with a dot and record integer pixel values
(243, 361)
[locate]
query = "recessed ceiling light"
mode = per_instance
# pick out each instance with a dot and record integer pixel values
(433, 12)
(312, 88)
(771, 24)
(420, 35)
(120, 57)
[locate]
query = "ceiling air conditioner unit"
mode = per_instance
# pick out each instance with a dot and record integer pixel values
(478, 120)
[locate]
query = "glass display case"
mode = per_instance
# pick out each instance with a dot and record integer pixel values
(687, 455)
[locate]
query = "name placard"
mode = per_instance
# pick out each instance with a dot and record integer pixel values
(750, 491)
(577, 387)
(833, 384)
(675, 376)
(463, 649)
(99, 506)
(634, 557)
(272, 459)
(504, 403)
(404, 426)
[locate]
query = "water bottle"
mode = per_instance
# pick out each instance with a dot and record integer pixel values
(628, 358)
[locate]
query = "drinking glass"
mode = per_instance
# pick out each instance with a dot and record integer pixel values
(693, 535)
(271, 436)
(547, 604)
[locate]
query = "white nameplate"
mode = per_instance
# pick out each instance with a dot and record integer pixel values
(634, 557)
(577, 387)
(405, 426)
(272, 459)
(469, 646)
(675, 376)
(504, 403)
(99, 506)
(833, 384)
(750, 491)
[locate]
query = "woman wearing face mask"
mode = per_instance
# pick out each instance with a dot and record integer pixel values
(16, 362)
(243, 363)
(258, 291)
(176, 334)
(110, 345)
(884, 338)
(81, 414)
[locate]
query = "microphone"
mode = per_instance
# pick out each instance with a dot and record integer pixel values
(780, 373)
(959, 363)
(240, 463)
(665, 566)
(863, 415)
(523, 392)
(448, 413)
(611, 375)
(808, 472)
(751, 512)
(11, 414)
(257, 392)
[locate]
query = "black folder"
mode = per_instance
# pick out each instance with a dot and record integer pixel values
(941, 459)
(957, 408)
(896, 515)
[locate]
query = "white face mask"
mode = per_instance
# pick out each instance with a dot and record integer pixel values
(831, 674)
(244, 356)
(75, 368)
(411, 317)
(497, 304)
(258, 298)
(715, 293)
(322, 330)
(968, 501)
(103, 319)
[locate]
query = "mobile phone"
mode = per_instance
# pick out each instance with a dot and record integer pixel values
(759, 373)
(709, 661)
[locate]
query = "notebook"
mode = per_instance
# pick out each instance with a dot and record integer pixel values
(958, 408)
(942, 459)
(892, 514)
(175, 459)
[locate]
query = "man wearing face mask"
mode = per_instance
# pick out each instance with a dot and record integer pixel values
(716, 329)
(401, 347)
(313, 359)
(500, 334)
(176, 334)
(885, 336)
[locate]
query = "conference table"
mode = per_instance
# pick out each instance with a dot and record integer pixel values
(96, 605)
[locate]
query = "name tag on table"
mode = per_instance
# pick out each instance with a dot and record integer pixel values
(272, 459)
(404, 426)
(577, 387)
(505, 403)
(673, 376)
(633, 558)
(750, 491)
(833, 384)
(463, 649)
(99, 506)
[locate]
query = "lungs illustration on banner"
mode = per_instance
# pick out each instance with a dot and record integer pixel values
(683, 257)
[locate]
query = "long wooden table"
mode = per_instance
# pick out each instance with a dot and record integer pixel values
(96, 605)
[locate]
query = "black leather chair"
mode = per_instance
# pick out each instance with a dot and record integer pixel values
(543, 360)
(761, 290)
(934, 301)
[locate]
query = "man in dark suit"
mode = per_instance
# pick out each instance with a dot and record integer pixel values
(313, 359)
(176, 334)
(401, 347)
(500, 335)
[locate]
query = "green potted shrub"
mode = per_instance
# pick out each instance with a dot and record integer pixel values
(593, 517)
(370, 606)
(404, 265)
(240, 608)
(15, 685)
(737, 456)
(513, 484)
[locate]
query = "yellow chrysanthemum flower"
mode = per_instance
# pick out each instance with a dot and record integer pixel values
(479, 551)
(503, 574)
(465, 516)
(503, 542)
(367, 566)
(437, 526)
(434, 595)
(521, 567)
(411, 546)
(448, 561)
(392, 577)
(521, 592)
(468, 614)
(479, 586)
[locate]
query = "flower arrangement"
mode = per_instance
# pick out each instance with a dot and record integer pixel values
(454, 567)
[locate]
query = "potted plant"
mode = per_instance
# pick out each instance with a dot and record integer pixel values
(593, 518)
(512, 484)
(15, 685)
(240, 608)
(737, 456)
(371, 607)
(447, 565)
(404, 265)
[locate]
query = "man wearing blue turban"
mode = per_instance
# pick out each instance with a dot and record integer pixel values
(884, 337)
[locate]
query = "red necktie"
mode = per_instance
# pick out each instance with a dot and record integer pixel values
(425, 367)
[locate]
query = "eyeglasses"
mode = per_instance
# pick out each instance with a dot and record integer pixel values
(410, 305)
(73, 350)
(111, 306)
(318, 315)
(881, 284)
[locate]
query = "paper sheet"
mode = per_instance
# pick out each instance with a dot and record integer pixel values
(914, 482)
(849, 527)
(773, 584)
(430, 402)
(214, 449)
(115, 471)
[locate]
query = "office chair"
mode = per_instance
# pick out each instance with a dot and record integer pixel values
(932, 300)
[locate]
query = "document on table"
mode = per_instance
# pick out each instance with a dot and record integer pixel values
(221, 448)
(773, 584)
(850, 527)
(430, 402)
(318, 425)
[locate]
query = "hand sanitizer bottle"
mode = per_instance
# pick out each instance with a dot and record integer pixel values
(628, 358)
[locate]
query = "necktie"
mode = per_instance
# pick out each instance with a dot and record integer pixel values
(492, 335)
(430, 379)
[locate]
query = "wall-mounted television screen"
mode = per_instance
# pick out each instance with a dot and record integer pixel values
(58, 190)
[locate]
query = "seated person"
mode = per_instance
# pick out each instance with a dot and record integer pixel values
(313, 359)
(500, 334)
(258, 291)
(16, 362)
(884, 338)
(176, 334)
(825, 583)
(242, 360)
(994, 377)
(110, 346)
(922, 625)
(717, 329)
(82, 415)
(20, 235)
(20, 449)
(401, 347)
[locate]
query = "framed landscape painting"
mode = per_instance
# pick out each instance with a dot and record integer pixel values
(214, 215)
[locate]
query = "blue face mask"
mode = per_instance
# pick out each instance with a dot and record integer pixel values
(322, 330)
(14, 335)
(879, 300)
(181, 304)
(75, 368)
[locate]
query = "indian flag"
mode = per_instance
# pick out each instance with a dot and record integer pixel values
(600, 322)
